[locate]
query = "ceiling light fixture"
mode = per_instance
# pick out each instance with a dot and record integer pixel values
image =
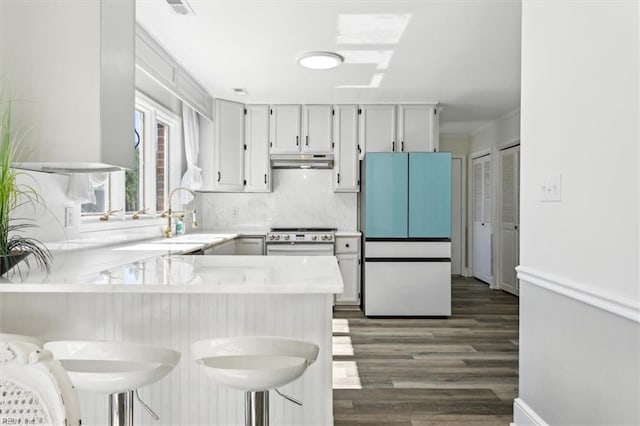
(320, 60)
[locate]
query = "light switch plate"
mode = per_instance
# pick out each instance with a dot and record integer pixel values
(551, 189)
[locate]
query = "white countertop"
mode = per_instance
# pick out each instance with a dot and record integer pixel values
(193, 274)
(348, 233)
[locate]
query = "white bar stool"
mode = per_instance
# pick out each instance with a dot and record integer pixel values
(116, 368)
(255, 364)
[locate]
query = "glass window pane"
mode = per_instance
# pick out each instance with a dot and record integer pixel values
(161, 166)
(133, 182)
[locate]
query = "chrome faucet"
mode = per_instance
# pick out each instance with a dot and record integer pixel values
(169, 213)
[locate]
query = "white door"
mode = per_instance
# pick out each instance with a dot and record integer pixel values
(256, 154)
(285, 129)
(317, 124)
(346, 169)
(229, 146)
(378, 128)
(457, 223)
(509, 218)
(415, 128)
(482, 231)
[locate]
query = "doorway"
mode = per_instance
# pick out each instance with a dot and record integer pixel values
(509, 256)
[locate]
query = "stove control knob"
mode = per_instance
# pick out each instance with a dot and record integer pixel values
(315, 237)
(277, 237)
(271, 237)
(286, 237)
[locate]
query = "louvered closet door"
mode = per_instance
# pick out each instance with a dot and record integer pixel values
(482, 231)
(509, 218)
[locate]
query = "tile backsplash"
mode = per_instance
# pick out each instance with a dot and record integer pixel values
(300, 198)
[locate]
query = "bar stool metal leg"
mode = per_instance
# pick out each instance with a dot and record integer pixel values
(256, 408)
(121, 409)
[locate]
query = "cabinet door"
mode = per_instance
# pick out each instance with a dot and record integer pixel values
(347, 164)
(378, 128)
(430, 195)
(285, 129)
(386, 195)
(229, 146)
(317, 125)
(228, 248)
(256, 154)
(350, 271)
(250, 246)
(415, 128)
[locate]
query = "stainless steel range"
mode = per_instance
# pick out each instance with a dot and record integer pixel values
(301, 241)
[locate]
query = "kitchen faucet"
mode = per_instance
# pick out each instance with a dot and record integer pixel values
(169, 213)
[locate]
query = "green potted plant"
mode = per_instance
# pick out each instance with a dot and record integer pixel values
(14, 246)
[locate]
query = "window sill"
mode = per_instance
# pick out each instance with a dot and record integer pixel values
(93, 223)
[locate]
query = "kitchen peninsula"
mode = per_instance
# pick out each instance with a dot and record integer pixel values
(174, 300)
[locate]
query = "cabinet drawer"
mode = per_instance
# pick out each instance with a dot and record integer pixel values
(407, 249)
(347, 245)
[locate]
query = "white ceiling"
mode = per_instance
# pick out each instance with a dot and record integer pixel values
(464, 54)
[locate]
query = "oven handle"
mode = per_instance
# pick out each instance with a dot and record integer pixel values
(297, 247)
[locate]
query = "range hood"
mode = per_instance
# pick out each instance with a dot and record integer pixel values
(301, 161)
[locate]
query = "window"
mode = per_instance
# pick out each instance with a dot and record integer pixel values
(157, 166)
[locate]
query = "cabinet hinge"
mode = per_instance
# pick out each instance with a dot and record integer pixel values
(435, 111)
(270, 112)
(358, 182)
(333, 111)
(333, 144)
(359, 111)
(245, 111)
(245, 146)
(271, 144)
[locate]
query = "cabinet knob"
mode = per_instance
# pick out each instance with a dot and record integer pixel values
(347, 245)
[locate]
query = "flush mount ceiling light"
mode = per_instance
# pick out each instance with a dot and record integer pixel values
(320, 60)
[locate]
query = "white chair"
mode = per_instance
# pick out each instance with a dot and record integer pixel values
(116, 368)
(255, 364)
(34, 388)
(6, 337)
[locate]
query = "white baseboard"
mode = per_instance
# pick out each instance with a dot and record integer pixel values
(523, 415)
(624, 307)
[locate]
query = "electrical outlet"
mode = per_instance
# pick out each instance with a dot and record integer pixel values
(551, 189)
(68, 217)
(235, 211)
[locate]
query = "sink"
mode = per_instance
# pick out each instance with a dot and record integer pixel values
(254, 363)
(112, 367)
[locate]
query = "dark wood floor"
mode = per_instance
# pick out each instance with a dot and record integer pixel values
(418, 372)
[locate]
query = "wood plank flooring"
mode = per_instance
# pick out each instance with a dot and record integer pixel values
(423, 372)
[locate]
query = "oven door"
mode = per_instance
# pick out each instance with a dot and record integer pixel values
(299, 249)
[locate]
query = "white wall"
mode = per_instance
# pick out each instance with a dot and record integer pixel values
(300, 198)
(580, 332)
(455, 144)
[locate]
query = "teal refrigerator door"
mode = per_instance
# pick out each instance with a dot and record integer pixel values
(386, 193)
(430, 195)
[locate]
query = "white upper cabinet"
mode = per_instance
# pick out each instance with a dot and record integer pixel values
(256, 154)
(317, 129)
(378, 128)
(285, 129)
(229, 146)
(417, 128)
(346, 168)
(71, 65)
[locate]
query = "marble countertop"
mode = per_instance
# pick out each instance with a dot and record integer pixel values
(191, 274)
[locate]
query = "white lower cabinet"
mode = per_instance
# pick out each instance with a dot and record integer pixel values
(348, 255)
(226, 248)
(250, 246)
